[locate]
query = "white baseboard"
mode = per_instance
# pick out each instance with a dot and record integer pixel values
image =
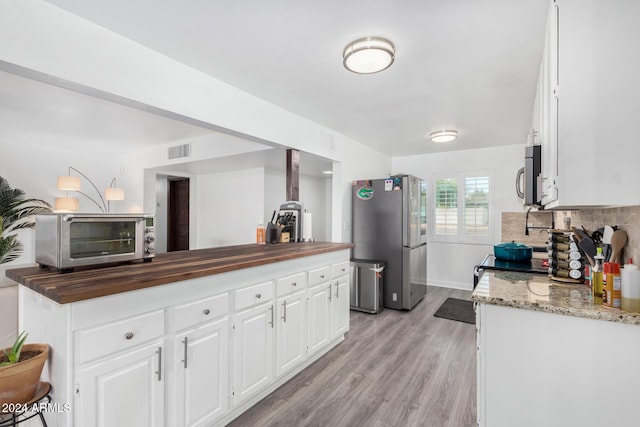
(454, 285)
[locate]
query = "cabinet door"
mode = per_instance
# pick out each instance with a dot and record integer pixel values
(253, 344)
(201, 356)
(124, 390)
(340, 306)
(319, 309)
(291, 345)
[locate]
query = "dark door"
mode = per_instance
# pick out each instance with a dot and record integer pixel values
(178, 227)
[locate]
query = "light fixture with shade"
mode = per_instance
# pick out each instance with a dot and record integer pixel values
(368, 55)
(66, 204)
(113, 193)
(73, 183)
(443, 135)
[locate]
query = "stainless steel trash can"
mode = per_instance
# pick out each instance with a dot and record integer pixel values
(366, 285)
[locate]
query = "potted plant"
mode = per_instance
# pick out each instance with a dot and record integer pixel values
(20, 369)
(16, 212)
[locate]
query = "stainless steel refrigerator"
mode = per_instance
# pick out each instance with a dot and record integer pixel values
(389, 224)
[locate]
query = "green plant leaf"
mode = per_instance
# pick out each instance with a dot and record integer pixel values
(10, 248)
(17, 346)
(16, 213)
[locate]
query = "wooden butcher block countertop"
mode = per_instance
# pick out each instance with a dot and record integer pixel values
(86, 283)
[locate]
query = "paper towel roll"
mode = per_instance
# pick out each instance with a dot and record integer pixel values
(306, 227)
(630, 284)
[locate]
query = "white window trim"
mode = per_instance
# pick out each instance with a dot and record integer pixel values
(460, 237)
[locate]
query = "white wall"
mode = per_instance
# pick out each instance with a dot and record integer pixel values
(229, 206)
(315, 194)
(34, 168)
(451, 264)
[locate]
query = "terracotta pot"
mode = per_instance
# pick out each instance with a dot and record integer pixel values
(19, 381)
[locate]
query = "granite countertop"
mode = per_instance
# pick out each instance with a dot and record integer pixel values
(538, 292)
(85, 283)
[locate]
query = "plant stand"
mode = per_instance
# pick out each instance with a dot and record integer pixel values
(28, 410)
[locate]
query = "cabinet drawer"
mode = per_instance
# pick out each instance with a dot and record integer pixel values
(115, 337)
(291, 283)
(200, 311)
(319, 275)
(252, 295)
(340, 269)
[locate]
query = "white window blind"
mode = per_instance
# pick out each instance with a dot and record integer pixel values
(461, 208)
(446, 207)
(476, 206)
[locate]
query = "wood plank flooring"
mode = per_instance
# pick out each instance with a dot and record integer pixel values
(393, 369)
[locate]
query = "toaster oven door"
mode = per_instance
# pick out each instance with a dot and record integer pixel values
(101, 240)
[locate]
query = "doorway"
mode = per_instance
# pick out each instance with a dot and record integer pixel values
(178, 214)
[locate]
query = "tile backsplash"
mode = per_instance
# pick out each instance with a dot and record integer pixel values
(513, 227)
(627, 218)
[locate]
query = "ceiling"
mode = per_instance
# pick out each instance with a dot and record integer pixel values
(469, 65)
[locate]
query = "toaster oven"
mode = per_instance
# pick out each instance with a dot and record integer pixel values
(68, 240)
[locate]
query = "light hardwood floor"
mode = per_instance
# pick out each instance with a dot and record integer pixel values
(393, 369)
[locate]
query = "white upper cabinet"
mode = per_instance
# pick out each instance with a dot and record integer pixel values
(588, 98)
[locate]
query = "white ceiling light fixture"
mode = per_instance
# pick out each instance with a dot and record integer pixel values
(368, 55)
(443, 135)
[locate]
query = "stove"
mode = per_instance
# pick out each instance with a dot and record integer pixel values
(490, 262)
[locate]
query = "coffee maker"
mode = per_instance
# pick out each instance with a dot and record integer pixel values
(290, 216)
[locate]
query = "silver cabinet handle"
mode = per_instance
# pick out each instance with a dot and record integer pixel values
(294, 284)
(330, 292)
(206, 311)
(284, 311)
(258, 296)
(184, 361)
(337, 289)
(271, 308)
(322, 276)
(159, 371)
(128, 335)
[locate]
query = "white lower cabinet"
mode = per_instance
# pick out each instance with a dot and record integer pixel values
(193, 353)
(253, 350)
(291, 343)
(318, 311)
(339, 306)
(123, 389)
(201, 365)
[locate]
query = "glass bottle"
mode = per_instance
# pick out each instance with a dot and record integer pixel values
(596, 275)
(260, 233)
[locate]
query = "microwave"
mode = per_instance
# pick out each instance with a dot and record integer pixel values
(68, 240)
(531, 176)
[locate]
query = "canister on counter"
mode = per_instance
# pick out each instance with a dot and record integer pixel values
(612, 286)
(630, 287)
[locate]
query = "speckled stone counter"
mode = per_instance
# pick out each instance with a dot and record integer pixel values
(537, 292)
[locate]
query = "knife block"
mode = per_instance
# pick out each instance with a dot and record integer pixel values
(273, 233)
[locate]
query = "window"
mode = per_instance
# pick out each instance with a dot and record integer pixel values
(461, 208)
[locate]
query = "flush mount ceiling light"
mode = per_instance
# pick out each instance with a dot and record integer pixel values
(368, 55)
(443, 135)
